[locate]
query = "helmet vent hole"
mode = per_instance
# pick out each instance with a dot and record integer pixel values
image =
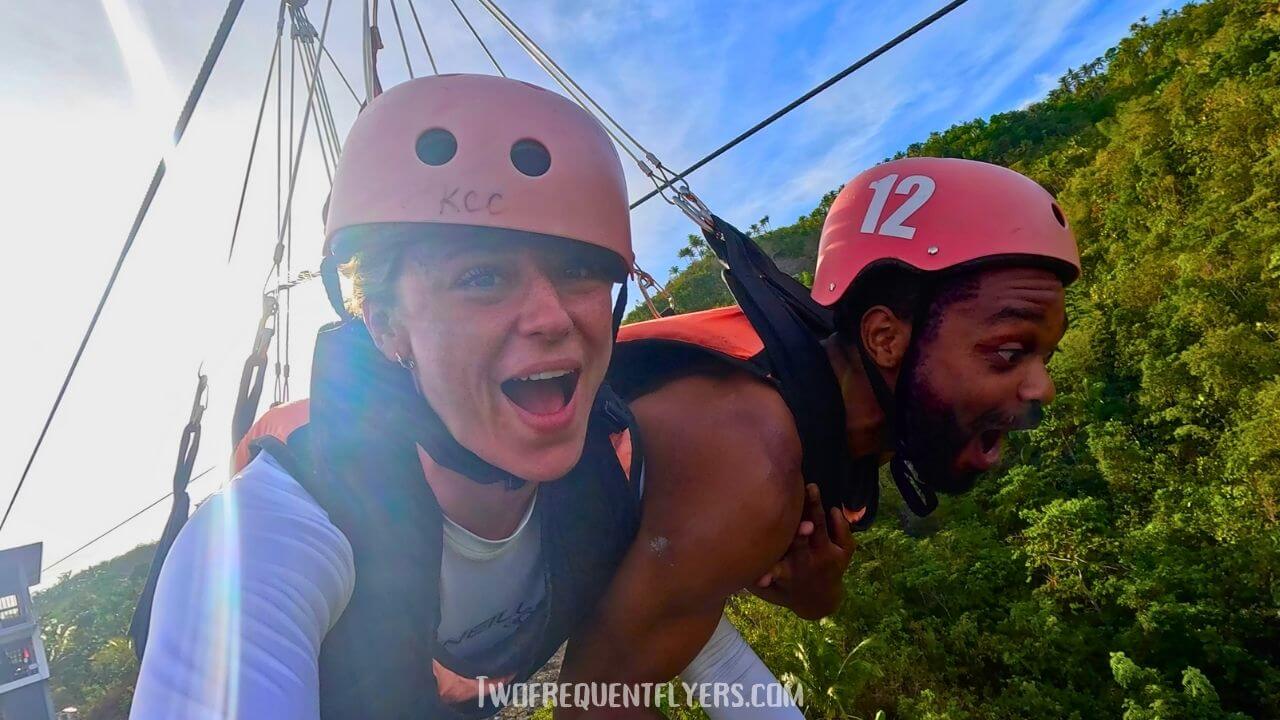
(1057, 215)
(531, 157)
(436, 146)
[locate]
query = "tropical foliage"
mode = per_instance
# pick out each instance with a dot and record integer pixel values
(84, 619)
(1128, 565)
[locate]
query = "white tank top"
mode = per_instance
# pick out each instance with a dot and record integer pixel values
(489, 589)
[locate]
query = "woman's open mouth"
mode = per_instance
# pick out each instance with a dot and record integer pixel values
(545, 399)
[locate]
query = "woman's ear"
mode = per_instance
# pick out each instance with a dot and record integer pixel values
(886, 338)
(387, 334)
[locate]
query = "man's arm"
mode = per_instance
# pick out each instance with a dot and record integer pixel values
(722, 503)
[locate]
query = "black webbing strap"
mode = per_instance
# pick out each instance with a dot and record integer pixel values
(290, 455)
(920, 498)
(188, 447)
(253, 376)
(792, 325)
(333, 285)
(621, 419)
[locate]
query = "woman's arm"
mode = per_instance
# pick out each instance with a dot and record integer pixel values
(251, 586)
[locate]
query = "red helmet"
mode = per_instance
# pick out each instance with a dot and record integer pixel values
(939, 213)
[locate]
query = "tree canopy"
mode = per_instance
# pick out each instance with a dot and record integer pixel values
(1127, 565)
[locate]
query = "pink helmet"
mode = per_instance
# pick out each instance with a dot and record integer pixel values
(939, 213)
(479, 151)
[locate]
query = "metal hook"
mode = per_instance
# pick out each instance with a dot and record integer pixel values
(201, 401)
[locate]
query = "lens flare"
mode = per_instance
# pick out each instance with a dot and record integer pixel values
(154, 94)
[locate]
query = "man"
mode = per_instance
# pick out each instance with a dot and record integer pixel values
(946, 278)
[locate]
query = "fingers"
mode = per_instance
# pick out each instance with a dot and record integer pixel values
(843, 535)
(776, 573)
(813, 511)
(770, 595)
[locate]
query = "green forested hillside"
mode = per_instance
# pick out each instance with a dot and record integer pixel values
(85, 617)
(1128, 565)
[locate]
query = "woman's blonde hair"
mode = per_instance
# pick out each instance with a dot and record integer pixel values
(373, 273)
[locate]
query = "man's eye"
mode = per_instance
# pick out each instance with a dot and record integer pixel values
(479, 277)
(1011, 355)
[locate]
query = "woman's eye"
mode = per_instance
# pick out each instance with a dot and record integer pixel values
(581, 272)
(479, 277)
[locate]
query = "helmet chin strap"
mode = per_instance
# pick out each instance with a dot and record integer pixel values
(919, 496)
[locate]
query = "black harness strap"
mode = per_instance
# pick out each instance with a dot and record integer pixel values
(792, 325)
(366, 418)
(253, 376)
(188, 447)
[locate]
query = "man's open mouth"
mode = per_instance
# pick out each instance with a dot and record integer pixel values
(990, 440)
(543, 393)
(987, 447)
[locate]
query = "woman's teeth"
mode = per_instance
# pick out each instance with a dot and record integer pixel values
(548, 375)
(542, 393)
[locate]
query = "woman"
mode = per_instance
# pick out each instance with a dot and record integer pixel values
(482, 222)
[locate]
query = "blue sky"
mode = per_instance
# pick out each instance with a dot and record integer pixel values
(90, 89)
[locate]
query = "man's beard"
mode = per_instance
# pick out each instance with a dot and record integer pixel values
(929, 436)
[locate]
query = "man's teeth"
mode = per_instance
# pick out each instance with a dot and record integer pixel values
(549, 375)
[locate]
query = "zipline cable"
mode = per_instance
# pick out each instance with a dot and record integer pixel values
(335, 139)
(275, 391)
(297, 156)
(938, 15)
(480, 40)
(257, 128)
(321, 135)
(556, 74)
(327, 131)
(120, 524)
(193, 98)
(323, 107)
(431, 58)
(343, 77)
(404, 47)
(280, 122)
(653, 168)
(533, 48)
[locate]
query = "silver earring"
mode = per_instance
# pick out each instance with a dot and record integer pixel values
(408, 364)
